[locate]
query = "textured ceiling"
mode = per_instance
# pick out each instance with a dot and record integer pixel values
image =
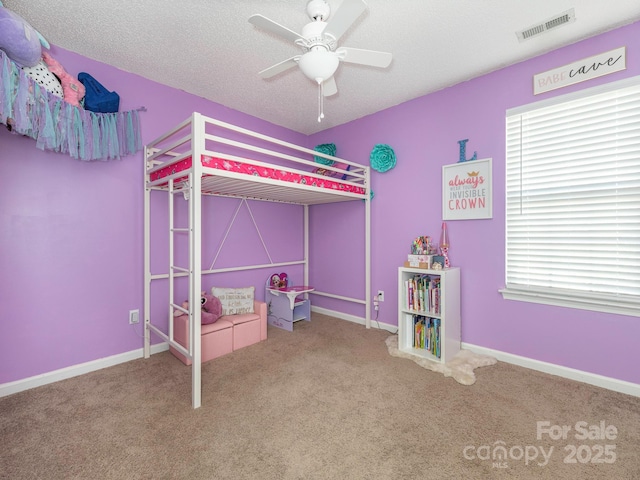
(208, 47)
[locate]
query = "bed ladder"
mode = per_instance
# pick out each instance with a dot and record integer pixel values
(193, 271)
(191, 190)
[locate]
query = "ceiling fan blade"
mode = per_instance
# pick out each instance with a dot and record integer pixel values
(279, 67)
(273, 27)
(364, 57)
(343, 18)
(329, 87)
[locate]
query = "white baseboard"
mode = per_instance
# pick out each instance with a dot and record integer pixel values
(352, 318)
(50, 377)
(558, 370)
(565, 372)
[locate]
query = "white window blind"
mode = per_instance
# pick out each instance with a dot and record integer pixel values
(573, 200)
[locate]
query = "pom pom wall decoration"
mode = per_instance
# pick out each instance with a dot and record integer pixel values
(382, 158)
(327, 149)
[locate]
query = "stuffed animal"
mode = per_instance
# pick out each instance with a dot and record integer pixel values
(20, 41)
(43, 76)
(73, 89)
(279, 280)
(211, 309)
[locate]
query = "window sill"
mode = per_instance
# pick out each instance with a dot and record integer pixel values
(617, 304)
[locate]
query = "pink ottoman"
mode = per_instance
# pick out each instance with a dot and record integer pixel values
(246, 329)
(217, 339)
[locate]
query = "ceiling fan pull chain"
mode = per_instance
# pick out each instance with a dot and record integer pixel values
(320, 103)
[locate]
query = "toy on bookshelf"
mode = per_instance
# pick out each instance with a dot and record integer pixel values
(422, 253)
(422, 246)
(444, 245)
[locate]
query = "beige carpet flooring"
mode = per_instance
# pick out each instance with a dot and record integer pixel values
(325, 401)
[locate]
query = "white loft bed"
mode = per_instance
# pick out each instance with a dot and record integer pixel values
(235, 162)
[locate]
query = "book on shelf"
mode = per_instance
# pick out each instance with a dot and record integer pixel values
(423, 293)
(426, 334)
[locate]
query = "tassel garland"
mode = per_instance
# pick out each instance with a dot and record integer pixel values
(56, 125)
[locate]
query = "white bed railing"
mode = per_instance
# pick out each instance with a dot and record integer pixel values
(176, 145)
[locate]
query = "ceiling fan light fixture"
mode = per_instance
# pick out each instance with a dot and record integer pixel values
(319, 65)
(319, 42)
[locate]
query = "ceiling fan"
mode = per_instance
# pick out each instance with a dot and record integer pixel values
(319, 42)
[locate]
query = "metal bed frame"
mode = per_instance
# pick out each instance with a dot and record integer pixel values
(198, 137)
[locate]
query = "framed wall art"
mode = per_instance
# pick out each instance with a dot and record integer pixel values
(467, 190)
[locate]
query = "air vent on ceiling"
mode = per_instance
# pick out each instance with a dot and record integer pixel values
(565, 17)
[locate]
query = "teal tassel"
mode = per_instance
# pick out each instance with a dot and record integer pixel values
(21, 118)
(87, 128)
(121, 127)
(59, 127)
(46, 139)
(112, 140)
(70, 138)
(11, 75)
(104, 136)
(95, 136)
(137, 133)
(131, 132)
(39, 115)
(78, 133)
(5, 102)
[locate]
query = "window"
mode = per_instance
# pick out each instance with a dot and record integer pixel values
(573, 200)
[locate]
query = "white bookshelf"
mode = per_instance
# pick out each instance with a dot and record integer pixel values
(448, 314)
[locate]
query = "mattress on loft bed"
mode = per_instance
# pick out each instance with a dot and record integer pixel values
(260, 171)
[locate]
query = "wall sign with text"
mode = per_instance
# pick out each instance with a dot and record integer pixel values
(466, 190)
(576, 72)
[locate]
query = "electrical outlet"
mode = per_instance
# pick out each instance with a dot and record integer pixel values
(380, 295)
(134, 316)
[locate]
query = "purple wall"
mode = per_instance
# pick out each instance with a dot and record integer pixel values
(424, 134)
(71, 232)
(71, 235)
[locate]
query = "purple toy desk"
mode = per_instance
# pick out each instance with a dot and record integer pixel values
(285, 306)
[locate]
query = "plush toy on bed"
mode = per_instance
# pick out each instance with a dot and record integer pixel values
(211, 309)
(20, 41)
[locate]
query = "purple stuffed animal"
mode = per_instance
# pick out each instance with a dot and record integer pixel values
(211, 309)
(20, 41)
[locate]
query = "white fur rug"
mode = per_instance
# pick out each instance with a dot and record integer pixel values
(460, 367)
